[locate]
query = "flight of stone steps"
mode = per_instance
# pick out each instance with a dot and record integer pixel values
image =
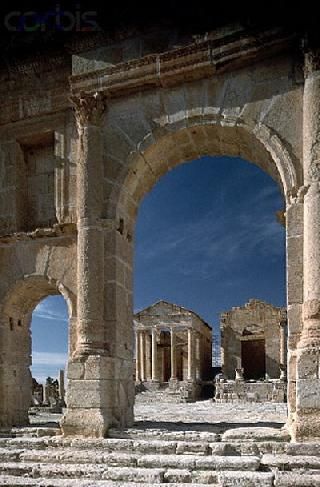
(247, 457)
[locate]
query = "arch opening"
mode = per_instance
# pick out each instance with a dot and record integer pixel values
(24, 311)
(207, 240)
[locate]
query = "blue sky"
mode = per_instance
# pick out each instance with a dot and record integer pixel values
(206, 238)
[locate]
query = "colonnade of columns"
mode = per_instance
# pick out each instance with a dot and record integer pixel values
(147, 353)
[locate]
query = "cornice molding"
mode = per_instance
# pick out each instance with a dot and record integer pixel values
(198, 60)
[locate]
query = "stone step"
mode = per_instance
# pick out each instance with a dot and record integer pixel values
(13, 481)
(30, 431)
(193, 462)
(284, 479)
(256, 434)
(148, 446)
(116, 459)
(82, 471)
(312, 449)
(161, 434)
(291, 462)
(221, 479)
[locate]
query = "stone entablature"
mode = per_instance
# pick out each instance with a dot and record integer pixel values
(172, 344)
(255, 331)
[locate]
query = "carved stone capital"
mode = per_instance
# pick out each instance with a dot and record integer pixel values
(314, 171)
(296, 195)
(311, 62)
(89, 108)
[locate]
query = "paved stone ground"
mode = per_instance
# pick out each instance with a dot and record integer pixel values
(201, 413)
(209, 412)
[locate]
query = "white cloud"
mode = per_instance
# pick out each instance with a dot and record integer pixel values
(47, 311)
(50, 359)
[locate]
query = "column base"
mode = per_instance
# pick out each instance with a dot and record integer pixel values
(306, 425)
(174, 384)
(152, 385)
(86, 422)
(100, 395)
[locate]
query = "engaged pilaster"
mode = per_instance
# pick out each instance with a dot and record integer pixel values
(89, 110)
(91, 386)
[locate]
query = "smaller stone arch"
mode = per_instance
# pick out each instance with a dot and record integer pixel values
(27, 292)
(15, 345)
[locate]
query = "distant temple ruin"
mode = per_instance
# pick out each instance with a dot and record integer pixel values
(173, 345)
(253, 338)
(253, 353)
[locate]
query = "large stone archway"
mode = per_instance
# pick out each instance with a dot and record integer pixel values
(135, 119)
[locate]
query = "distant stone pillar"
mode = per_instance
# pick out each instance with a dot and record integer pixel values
(138, 376)
(61, 385)
(148, 356)
(307, 420)
(173, 355)
(142, 356)
(154, 356)
(283, 347)
(45, 391)
(191, 369)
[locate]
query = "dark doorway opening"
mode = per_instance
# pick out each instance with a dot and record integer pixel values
(253, 358)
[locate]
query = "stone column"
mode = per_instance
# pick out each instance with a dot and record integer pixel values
(307, 421)
(198, 358)
(61, 386)
(90, 395)
(154, 355)
(138, 377)
(283, 348)
(148, 356)
(142, 356)
(45, 400)
(173, 356)
(191, 368)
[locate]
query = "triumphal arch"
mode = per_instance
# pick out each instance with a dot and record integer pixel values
(86, 131)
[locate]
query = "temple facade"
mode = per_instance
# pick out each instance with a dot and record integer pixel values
(173, 344)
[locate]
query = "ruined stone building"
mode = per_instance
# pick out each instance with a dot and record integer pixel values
(173, 344)
(87, 128)
(253, 337)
